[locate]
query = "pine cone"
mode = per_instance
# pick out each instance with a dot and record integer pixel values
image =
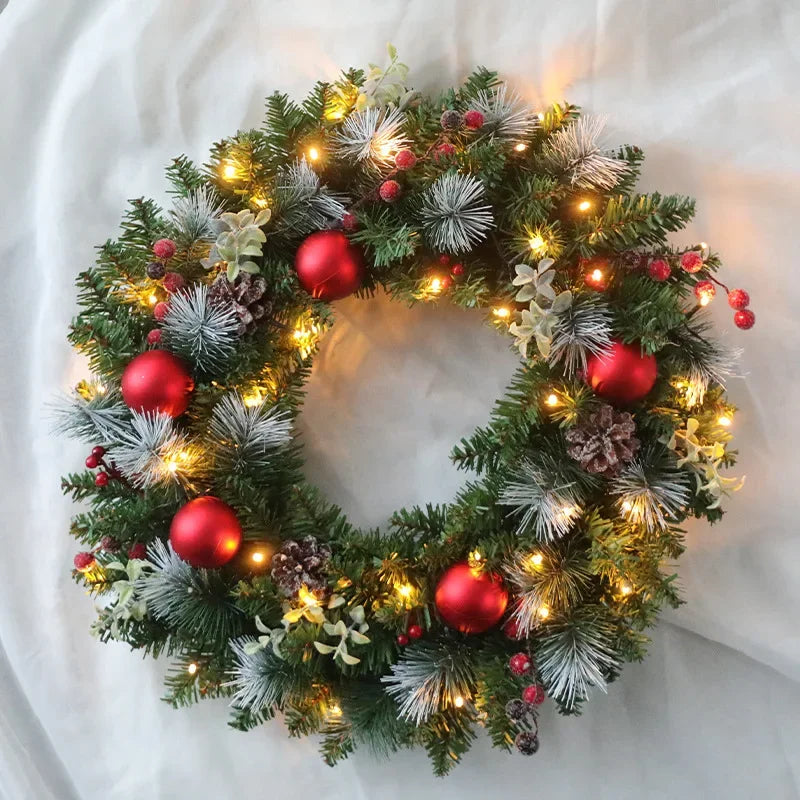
(603, 442)
(298, 564)
(245, 294)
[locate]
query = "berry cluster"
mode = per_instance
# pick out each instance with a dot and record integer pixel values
(171, 282)
(108, 471)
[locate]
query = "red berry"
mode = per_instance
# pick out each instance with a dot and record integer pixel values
(457, 269)
(659, 270)
(405, 159)
(738, 299)
(511, 629)
(98, 451)
(160, 310)
(154, 337)
(349, 222)
(83, 561)
(444, 150)
(389, 191)
(520, 664)
(174, 282)
(92, 461)
(137, 550)
(692, 261)
(447, 282)
(109, 544)
(402, 640)
(473, 119)
(414, 631)
(164, 249)
(533, 694)
(101, 479)
(444, 259)
(744, 319)
(704, 291)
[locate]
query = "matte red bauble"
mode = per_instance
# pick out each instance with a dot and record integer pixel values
(205, 532)
(622, 374)
(470, 600)
(329, 265)
(157, 381)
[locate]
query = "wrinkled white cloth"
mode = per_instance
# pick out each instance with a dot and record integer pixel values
(98, 96)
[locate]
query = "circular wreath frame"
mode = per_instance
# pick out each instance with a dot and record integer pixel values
(359, 653)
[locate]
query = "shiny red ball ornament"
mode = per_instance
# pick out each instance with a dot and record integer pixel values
(738, 299)
(415, 631)
(533, 694)
(520, 664)
(622, 374)
(157, 381)
(470, 600)
(329, 266)
(744, 319)
(205, 532)
(402, 640)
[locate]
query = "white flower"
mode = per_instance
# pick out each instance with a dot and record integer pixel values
(536, 283)
(537, 323)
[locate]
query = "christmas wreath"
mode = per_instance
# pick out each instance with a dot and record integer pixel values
(203, 540)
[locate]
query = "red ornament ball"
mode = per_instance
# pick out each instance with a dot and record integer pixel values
(205, 532)
(621, 374)
(405, 159)
(446, 282)
(389, 191)
(520, 664)
(512, 629)
(457, 269)
(415, 631)
(533, 694)
(329, 266)
(470, 600)
(160, 310)
(154, 337)
(692, 261)
(349, 222)
(157, 381)
(138, 550)
(164, 249)
(659, 270)
(402, 640)
(92, 461)
(101, 479)
(83, 561)
(473, 119)
(738, 299)
(174, 282)
(444, 150)
(744, 319)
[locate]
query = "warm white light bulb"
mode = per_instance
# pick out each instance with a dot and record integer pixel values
(258, 557)
(625, 588)
(536, 242)
(597, 276)
(502, 313)
(229, 171)
(537, 559)
(543, 612)
(192, 668)
(725, 421)
(520, 147)
(436, 285)
(313, 153)
(584, 205)
(458, 702)
(552, 400)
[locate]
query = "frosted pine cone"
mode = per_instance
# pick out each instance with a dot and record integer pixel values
(245, 294)
(298, 564)
(604, 442)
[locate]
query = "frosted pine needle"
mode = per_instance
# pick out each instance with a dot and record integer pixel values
(652, 490)
(584, 329)
(96, 415)
(372, 136)
(255, 676)
(543, 499)
(574, 151)
(245, 437)
(203, 333)
(454, 213)
(303, 202)
(193, 216)
(504, 113)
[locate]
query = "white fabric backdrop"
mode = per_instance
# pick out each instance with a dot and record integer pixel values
(97, 96)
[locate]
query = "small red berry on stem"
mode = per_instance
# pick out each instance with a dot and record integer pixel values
(450, 119)
(691, 261)
(457, 269)
(444, 150)
(446, 282)
(92, 461)
(415, 631)
(154, 337)
(83, 561)
(444, 259)
(160, 310)
(738, 299)
(109, 544)
(405, 159)
(98, 452)
(744, 319)
(533, 694)
(174, 282)
(389, 191)
(520, 664)
(137, 550)
(164, 249)
(349, 221)
(402, 640)
(473, 119)
(511, 629)
(704, 291)
(101, 479)
(659, 270)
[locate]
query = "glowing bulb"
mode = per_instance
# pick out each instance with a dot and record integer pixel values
(537, 559)
(625, 588)
(307, 598)
(543, 612)
(536, 242)
(626, 507)
(476, 556)
(520, 147)
(153, 299)
(335, 710)
(705, 300)
(703, 246)
(597, 276)
(172, 465)
(405, 589)
(458, 702)
(567, 511)
(725, 421)
(252, 400)
(540, 116)
(313, 153)
(335, 114)
(259, 202)
(229, 171)
(192, 668)
(584, 205)
(100, 388)
(436, 285)
(552, 400)
(502, 313)
(257, 557)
